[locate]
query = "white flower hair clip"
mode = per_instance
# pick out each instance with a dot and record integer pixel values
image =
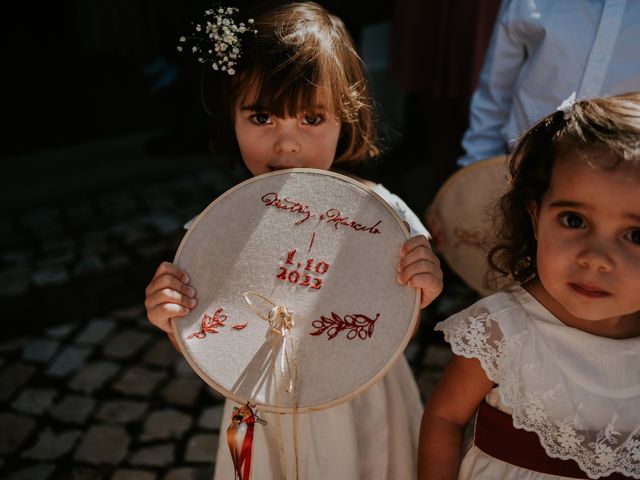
(218, 41)
(566, 105)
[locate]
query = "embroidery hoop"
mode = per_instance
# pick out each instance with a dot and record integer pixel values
(225, 263)
(464, 206)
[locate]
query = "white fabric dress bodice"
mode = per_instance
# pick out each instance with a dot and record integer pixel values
(580, 393)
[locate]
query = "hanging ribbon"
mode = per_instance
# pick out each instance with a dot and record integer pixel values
(281, 324)
(240, 440)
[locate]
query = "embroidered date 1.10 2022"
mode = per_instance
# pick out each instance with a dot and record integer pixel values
(310, 275)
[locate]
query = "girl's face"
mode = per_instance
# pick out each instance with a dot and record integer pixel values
(269, 143)
(588, 256)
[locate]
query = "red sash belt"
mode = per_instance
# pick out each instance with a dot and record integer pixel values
(496, 436)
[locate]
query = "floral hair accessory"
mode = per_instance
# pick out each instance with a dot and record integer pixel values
(567, 104)
(218, 40)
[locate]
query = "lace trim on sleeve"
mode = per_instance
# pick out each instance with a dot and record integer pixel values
(478, 336)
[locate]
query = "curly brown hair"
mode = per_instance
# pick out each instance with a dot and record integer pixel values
(300, 51)
(612, 123)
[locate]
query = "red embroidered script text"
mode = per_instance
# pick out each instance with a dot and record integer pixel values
(334, 216)
(331, 216)
(272, 200)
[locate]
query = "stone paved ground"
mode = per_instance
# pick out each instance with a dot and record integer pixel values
(109, 398)
(88, 389)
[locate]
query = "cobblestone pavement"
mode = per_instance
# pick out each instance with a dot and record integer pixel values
(88, 389)
(109, 398)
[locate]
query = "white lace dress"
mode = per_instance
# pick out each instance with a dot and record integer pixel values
(373, 436)
(580, 393)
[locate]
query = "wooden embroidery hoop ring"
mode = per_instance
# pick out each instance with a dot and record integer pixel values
(182, 327)
(464, 207)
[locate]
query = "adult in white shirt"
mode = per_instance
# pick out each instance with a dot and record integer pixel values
(541, 51)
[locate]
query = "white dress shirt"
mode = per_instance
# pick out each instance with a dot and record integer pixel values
(541, 51)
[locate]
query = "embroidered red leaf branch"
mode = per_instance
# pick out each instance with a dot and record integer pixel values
(357, 326)
(210, 324)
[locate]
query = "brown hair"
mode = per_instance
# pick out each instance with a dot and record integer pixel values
(611, 123)
(299, 51)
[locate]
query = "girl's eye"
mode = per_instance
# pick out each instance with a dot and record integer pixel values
(572, 220)
(260, 118)
(633, 236)
(312, 119)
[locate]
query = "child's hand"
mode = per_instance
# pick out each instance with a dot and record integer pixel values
(420, 268)
(168, 295)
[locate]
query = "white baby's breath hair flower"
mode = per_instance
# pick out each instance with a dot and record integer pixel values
(567, 104)
(222, 32)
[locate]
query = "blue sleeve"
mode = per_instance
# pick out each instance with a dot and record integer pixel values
(491, 102)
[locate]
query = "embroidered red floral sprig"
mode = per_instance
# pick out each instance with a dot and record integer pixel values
(357, 326)
(209, 323)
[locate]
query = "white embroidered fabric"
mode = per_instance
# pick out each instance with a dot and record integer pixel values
(580, 393)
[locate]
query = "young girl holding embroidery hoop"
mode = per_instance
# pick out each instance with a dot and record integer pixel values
(550, 365)
(292, 94)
